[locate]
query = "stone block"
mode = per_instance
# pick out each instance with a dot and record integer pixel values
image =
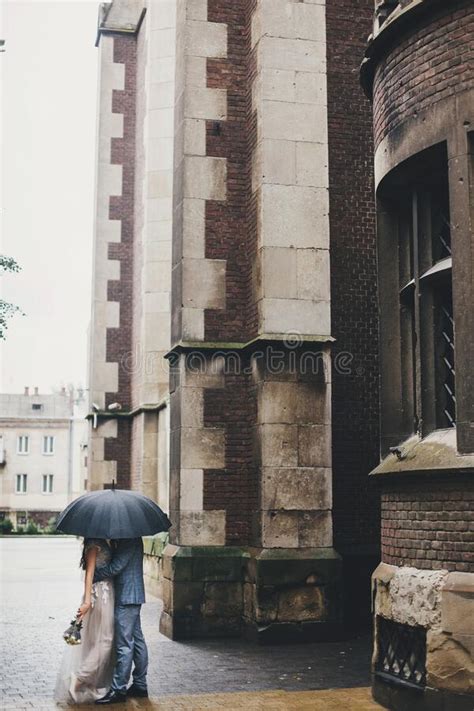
(222, 599)
(292, 403)
(205, 177)
(161, 123)
(162, 43)
(294, 216)
(278, 85)
(280, 529)
(160, 184)
(293, 121)
(449, 663)
(157, 302)
(160, 154)
(202, 528)
(315, 529)
(195, 71)
(205, 103)
(314, 446)
(293, 54)
(457, 604)
(192, 324)
(159, 208)
(275, 162)
(206, 39)
(107, 428)
(204, 283)
(311, 88)
(202, 448)
(279, 272)
(193, 228)
(196, 10)
(296, 489)
(312, 165)
(162, 15)
(301, 604)
(192, 407)
(295, 316)
(195, 137)
(191, 489)
(313, 275)
(279, 445)
(204, 372)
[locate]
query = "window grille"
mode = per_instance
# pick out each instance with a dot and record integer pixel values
(401, 652)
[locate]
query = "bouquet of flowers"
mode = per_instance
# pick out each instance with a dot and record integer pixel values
(73, 633)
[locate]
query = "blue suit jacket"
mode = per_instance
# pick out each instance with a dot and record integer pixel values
(126, 567)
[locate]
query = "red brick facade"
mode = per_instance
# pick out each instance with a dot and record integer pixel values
(226, 222)
(234, 489)
(119, 340)
(425, 67)
(429, 529)
(355, 398)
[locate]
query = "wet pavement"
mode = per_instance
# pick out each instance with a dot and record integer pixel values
(40, 590)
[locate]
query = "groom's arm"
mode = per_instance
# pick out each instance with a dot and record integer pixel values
(119, 561)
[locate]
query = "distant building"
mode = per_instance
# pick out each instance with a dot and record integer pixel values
(43, 455)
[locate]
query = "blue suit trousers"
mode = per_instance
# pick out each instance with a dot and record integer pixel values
(130, 648)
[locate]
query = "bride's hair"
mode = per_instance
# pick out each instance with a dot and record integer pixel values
(83, 562)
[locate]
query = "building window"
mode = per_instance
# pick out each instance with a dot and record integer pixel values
(48, 444)
(416, 198)
(47, 484)
(23, 444)
(21, 483)
(36, 406)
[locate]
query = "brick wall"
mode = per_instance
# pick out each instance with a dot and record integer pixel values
(121, 208)
(425, 67)
(355, 413)
(429, 525)
(227, 236)
(234, 489)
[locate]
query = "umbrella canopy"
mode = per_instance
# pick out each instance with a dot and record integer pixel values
(113, 513)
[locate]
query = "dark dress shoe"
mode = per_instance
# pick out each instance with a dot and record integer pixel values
(137, 692)
(112, 697)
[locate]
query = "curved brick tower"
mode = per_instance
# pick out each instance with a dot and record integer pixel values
(419, 73)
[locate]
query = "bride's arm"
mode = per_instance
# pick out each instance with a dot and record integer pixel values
(91, 556)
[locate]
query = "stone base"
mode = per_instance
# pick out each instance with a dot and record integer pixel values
(202, 591)
(400, 697)
(441, 603)
(269, 595)
(293, 595)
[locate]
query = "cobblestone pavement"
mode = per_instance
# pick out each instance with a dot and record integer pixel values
(41, 588)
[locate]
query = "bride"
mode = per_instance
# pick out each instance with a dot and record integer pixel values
(86, 670)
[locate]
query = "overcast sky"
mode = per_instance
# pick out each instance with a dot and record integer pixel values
(48, 148)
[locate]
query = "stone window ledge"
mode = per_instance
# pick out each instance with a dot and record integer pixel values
(436, 453)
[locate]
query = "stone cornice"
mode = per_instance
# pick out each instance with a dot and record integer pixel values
(288, 340)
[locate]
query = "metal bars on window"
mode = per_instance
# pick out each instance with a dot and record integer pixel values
(401, 652)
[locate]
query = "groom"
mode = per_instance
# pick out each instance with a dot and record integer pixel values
(126, 567)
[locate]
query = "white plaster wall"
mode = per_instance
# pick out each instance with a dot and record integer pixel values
(35, 464)
(290, 166)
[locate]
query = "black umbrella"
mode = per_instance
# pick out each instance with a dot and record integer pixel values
(113, 513)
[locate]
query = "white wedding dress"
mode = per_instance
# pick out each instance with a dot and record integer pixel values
(86, 669)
